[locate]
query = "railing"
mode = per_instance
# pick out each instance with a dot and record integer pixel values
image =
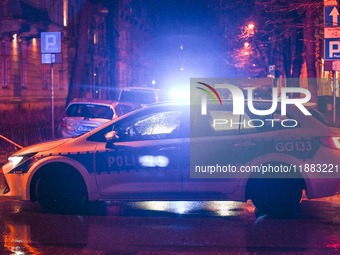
(11, 142)
(23, 135)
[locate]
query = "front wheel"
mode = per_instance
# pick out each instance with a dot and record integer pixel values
(61, 191)
(275, 196)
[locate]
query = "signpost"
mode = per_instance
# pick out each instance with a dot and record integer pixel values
(51, 53)
(271, 71)
(332, 43)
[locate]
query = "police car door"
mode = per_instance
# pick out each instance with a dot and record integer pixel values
(144, 158)
(212, 152)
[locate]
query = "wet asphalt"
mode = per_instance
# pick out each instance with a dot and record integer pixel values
(163, 227)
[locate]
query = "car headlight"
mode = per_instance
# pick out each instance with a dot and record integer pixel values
(17, 160)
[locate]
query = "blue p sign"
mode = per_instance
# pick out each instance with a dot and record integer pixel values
(50, 42)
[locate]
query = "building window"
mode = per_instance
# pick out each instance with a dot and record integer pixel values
(23, 73)
(4, 76)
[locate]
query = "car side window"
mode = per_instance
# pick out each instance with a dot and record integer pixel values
(216, 122)
(160, 125)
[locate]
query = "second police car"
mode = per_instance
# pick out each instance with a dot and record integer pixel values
(162, 152)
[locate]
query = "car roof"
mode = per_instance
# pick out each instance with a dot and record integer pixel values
(140, 88)
(96, 101)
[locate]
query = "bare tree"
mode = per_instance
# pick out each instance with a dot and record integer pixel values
(82, 47)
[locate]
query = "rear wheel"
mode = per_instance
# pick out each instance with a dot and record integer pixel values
(275, 196)
(61, 189)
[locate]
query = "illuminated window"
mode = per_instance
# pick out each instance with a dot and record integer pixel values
(65, 12)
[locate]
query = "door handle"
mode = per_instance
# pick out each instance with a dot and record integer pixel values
(171, 148)
(244, 144)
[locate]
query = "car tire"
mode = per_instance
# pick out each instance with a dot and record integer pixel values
(276, 197)
(61, 191)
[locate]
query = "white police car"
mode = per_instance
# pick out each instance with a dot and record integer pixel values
(166, 152)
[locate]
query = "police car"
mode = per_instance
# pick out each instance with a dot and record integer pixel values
(162, 152)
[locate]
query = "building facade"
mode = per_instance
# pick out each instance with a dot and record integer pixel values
(114, 52)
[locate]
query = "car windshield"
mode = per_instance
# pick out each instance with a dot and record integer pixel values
(89, 111)
(323, 118)
(140, 96)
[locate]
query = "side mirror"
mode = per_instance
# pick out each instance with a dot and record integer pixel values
(111, 137)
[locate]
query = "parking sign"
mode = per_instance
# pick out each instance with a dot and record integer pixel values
(50, 42)
(332, 49)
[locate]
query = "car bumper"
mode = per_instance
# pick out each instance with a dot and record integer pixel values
(15, 184)
(318, 188)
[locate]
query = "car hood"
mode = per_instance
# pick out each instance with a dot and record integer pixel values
(41, 147)
(334, 130)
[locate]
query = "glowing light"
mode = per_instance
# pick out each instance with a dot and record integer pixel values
(180, 94)
(34, 42)
(182, 68)
(153, 205)
(95, 39)
(181, 47)
(246, 44)
(251, 26)
(15, 43)
(15, 160)
(246, 53)
(153, 82)
(65, 10)
(223, 208)
(153, 161)
(180, 207)
(254, 65)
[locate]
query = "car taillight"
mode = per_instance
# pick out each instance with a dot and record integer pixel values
(330, 141)
(63, 121)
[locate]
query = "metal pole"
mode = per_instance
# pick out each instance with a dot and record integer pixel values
(52, 100)
(334, 96)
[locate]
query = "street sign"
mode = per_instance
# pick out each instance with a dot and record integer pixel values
(271, 71)
(330, 3)
(332, 32)
(50, 58)
(50, 42)
(50, 54)
(332, 49)
(331, 16)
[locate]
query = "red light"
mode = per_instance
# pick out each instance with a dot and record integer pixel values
(330, 141)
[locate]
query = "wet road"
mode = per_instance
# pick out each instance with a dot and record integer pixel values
(169, 228)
